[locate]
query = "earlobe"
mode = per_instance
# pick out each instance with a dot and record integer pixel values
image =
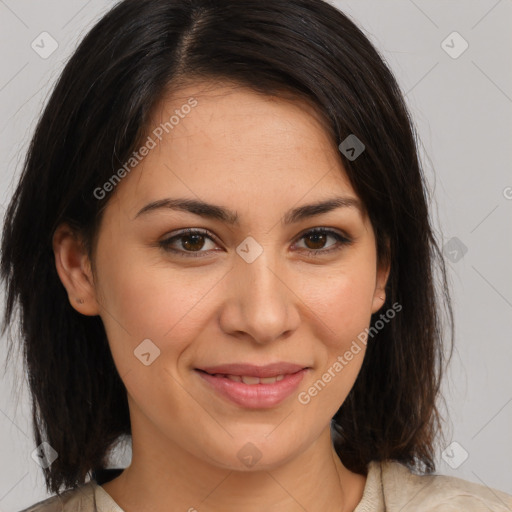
(378, 300)
(74, 270)
(379, 296)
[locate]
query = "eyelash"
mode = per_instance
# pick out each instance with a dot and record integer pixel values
(342, 241)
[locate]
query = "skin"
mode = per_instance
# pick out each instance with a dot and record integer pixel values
(259, 156)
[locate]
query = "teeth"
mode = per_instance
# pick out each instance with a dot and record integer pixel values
(250, 380)
(268, 380)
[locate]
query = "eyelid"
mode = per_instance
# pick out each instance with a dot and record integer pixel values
(342, 239)
(324, 229)
(166, 242)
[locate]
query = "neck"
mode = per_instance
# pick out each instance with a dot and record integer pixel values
(162, 473)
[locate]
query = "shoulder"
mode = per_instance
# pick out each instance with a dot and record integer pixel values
(80, 498)
(400, 487)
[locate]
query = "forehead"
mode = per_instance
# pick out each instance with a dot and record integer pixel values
(235, 142)
(234, 116)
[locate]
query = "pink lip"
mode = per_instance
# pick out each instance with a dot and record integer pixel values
(255, 396)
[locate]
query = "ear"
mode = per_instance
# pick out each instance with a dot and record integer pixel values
(383, 269)
(74, 269)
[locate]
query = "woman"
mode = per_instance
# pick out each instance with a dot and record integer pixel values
(221, 247)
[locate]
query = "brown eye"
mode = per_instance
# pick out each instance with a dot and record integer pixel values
(189, 242)
(192, 242)
(315, 241)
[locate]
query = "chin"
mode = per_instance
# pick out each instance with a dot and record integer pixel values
(253, 453)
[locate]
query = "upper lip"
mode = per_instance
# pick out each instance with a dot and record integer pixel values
(269, 370)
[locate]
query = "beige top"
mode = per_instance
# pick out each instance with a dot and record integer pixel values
(390, 487)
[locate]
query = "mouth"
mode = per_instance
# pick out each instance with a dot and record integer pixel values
(251, 386)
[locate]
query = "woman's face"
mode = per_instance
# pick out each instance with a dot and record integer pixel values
(258, 290)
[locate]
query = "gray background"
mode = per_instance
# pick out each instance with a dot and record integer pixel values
(463, 110)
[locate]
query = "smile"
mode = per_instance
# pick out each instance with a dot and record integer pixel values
(251, 380)
(253, 387)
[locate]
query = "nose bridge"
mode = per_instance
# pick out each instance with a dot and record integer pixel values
(263, 305)
(260, 277)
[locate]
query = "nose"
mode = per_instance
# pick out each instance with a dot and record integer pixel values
(261, 305)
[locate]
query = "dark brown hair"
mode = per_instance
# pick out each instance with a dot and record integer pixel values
(97, 116)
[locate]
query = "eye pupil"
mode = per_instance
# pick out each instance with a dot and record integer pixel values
(191, 246)
(192, 242)
(316, 238)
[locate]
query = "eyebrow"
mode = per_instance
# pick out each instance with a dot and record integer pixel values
(216, 212)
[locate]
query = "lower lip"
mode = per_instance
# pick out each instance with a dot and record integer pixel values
(255, 396)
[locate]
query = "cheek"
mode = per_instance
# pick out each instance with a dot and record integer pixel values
(341, 302)
(151, 300)
(343, 311)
